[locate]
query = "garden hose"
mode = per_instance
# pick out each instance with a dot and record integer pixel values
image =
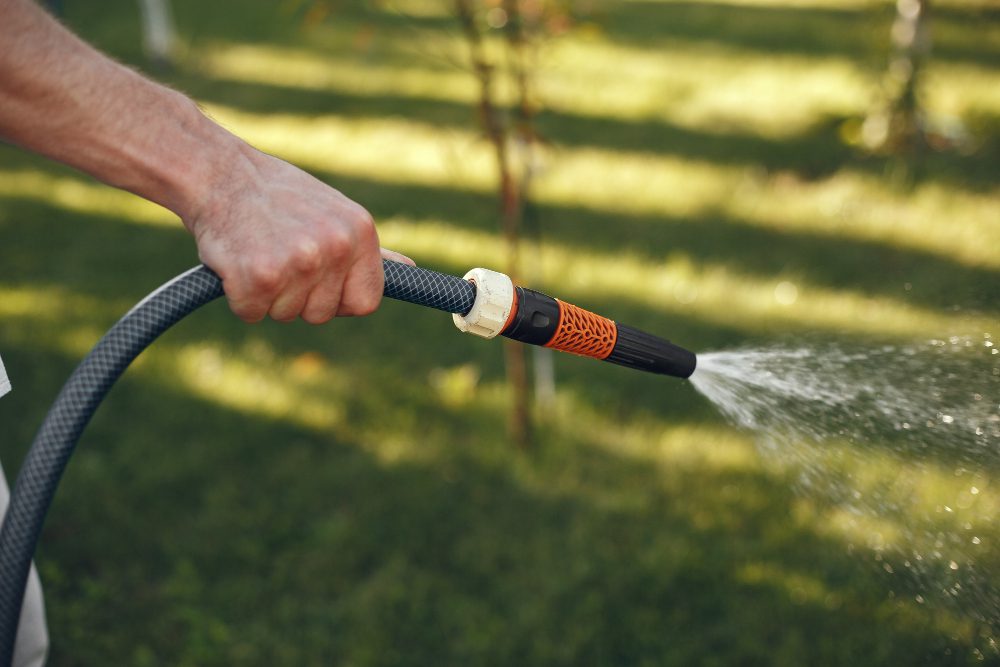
(485, 303)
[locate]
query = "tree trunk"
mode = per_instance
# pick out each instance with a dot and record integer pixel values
(511, 213)
(898, 127)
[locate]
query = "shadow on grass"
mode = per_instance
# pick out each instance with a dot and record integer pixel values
(822, 260)
(401, 341)
(205, 535)
(831, 262)
(187, 532)
(815, 154)
(854, 33)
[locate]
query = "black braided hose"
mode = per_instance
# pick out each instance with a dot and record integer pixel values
(83, 392)
(428, 288)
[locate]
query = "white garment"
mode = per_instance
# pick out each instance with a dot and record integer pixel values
(4, 380)
(32, 644)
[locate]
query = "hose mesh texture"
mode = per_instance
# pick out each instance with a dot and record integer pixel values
(76, 403)
(428, 288)
(83, 392)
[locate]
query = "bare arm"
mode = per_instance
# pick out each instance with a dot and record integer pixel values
(284, 243)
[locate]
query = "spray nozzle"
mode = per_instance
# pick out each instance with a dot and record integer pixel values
(487, 303)
(542, 320)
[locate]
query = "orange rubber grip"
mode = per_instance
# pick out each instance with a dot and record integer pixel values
(582, 332)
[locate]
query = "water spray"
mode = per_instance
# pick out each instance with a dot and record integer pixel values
(483, 302)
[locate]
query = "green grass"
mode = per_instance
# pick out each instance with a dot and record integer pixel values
(346, 494)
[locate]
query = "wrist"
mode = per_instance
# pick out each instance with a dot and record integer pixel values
(206, 160)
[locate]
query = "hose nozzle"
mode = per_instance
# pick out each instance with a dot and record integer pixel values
(528, 316)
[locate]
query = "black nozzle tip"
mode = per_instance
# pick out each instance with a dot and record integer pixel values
(645, 352)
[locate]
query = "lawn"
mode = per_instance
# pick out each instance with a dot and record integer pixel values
(346, 494)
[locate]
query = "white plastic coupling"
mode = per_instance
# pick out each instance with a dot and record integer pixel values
(494, 301)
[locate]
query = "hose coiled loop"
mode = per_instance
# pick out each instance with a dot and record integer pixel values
(68, 416)
(83, 392)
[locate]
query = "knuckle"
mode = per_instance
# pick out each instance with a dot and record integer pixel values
(368, 234)
(371, 305)
(316, 316)
(367, 303)
(339, 246)
(306, 256)
(282, 312)
(264, 277)
(362, 219)
(247, 313)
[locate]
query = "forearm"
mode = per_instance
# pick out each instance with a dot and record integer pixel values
(284, 243)
(62, 98)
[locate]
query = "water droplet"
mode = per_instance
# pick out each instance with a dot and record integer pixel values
(825, 411)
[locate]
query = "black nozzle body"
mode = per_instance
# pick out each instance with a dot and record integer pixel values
(539, 319)
(638, 349)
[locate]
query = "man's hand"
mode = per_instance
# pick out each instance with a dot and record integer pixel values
(287, 245)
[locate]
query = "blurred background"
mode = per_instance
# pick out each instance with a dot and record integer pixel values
(386, 491)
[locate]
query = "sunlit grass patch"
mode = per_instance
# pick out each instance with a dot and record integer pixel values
(710, 292)
(55, 318)
(888, 498)
(81, 196)
(313, 390)
(806, 4)
(246, 382)
(351, 486)
(305, 69)
(847, 204)
(799, 586)
(712, 88)
(962, 90)
(936, 218)
(390, 149)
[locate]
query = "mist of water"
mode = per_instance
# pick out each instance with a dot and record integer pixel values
(898, 445)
